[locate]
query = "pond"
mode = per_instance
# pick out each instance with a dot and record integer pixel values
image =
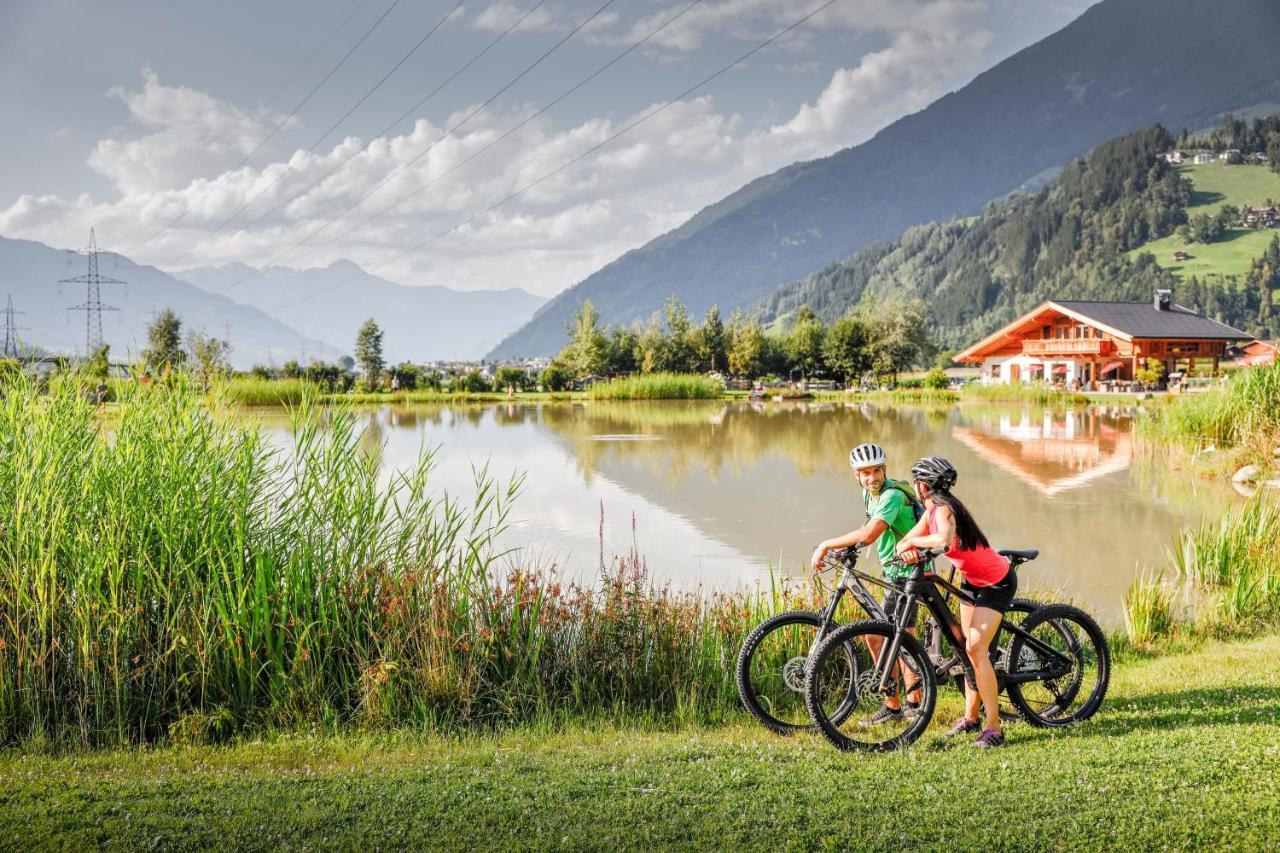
(720, 494)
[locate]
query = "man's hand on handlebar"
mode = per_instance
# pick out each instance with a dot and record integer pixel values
(819, 556)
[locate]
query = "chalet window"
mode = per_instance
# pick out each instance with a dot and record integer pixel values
(1046, 332)
(1097, 333)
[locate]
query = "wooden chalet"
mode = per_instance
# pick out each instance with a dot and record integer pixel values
(1086, 343)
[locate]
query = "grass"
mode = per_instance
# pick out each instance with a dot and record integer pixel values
(658, 386)
(251, 391)
(1183, 755)
(1243, 415)
(1020, 392)
(1217, 185)
(178, 578)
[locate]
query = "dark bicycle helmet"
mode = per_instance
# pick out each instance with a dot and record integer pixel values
(866, 456)
(937, 473)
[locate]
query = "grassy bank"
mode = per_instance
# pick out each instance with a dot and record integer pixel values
(250, 391)
(1183, 755)
(1223, 580)
(178, 578)
(1020, 392)
(658, 386)
(1242, 416)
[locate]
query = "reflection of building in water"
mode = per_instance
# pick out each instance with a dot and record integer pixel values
(1053, 453)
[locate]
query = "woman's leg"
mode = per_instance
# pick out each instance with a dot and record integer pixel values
(971, 697)
(982, 627)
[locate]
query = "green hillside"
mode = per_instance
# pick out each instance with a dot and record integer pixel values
(1215, 186)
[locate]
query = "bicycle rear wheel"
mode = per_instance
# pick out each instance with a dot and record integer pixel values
(848, 717)
(771, 668)
(1061, 697)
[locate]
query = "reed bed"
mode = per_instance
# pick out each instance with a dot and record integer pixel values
(1232, 567)
(658, 386)
(252, 391)
(1021, 392)
(1245, 413)
(175, 577)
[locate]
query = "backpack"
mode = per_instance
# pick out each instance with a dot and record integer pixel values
(917, 508)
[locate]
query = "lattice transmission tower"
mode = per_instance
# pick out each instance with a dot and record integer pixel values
(11, 329)
(93, 306)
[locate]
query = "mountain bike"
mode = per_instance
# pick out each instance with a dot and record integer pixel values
(1055, 668)
(774, 657)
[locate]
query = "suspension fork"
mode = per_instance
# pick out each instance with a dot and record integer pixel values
(890, 653)
(828, 616)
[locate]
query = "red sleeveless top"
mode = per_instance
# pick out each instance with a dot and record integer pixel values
(981, 566)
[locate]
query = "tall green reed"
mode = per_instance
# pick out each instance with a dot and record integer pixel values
(658, 386)
(170, 573)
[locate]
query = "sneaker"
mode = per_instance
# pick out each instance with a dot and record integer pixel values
(962, 726)
(911, 711)
(989, 739)
(884, 715)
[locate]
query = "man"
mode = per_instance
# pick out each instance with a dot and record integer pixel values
(890, 516)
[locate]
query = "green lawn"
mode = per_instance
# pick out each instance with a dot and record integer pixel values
(1215, 186)
(1185, 754)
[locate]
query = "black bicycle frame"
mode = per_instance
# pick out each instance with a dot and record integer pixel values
(924, 586)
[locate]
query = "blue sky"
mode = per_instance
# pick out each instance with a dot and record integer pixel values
(128, 115)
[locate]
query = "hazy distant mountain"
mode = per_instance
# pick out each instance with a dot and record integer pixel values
(1121, 65)
(30, 271)
(419, 323)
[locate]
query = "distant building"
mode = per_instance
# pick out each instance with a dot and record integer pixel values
(1172, 156)
(1202, 157)
(1088, 342)
(1180, 256)
(1227, 155)
(1259, 353)
(1260, 217)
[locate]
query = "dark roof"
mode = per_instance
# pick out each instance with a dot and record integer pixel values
(1142, 320)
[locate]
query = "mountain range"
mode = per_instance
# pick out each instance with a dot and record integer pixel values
(30, 272)
(330, 303)
(1121, 65)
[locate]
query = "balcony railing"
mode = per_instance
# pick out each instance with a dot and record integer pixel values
(1068, 346)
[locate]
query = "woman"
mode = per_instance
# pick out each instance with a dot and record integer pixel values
(946, 523)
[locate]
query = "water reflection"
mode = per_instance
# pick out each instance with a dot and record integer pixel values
(715, 493)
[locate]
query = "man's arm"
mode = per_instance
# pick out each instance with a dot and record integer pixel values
(864, 535)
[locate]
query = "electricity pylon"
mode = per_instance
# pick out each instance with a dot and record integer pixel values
(11, 345)
(93, 306)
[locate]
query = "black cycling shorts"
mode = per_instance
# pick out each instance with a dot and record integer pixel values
(895, 598)
(998, 596)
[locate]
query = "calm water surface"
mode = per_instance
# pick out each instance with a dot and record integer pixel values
(717, 493)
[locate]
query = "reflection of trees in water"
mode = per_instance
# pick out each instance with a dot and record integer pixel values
(718, 436)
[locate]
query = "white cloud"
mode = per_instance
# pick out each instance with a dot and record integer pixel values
(190, 133)
(498, 16)
(686, 157)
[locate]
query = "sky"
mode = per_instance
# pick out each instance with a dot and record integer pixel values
(444, 142)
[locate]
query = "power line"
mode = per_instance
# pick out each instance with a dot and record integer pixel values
(491, 144)
(93, 306)
(289, 166)
(547, 176)
(286, 119)
(302, 193)
(314, 54)
(429, 148)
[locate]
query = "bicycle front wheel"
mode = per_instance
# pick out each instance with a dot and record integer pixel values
(855, 716)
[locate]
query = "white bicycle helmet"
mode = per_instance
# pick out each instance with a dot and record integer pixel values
(866, 456)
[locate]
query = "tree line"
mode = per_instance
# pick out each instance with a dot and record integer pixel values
(883, 338)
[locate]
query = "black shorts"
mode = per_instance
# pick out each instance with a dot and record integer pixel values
(998, 596)
(894, 599)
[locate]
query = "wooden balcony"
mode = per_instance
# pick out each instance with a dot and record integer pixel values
(1099, 347)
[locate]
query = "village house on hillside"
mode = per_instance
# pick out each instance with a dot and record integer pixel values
(1259, 217)
(1086, 343)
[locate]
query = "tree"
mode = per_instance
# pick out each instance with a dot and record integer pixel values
(899, 336)
(588, 348)
(682, 345)
(803, 343)
(746, 347)
(845, 348)
(1150, 373)
(510, 376)
(164, 343)
(98, 364)
(554, 377)
(209, 354)
(624, 351)
(713, 341)
(369, 353)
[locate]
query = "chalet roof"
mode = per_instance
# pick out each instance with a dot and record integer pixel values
(1142, 320)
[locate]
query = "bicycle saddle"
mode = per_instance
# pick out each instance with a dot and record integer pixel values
(1017, 557)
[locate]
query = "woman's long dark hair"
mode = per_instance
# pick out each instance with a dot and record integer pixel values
(968, 534)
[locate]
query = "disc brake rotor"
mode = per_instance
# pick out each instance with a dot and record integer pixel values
(793, 674)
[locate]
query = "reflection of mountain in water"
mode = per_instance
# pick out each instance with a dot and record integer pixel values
(1053, 453)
